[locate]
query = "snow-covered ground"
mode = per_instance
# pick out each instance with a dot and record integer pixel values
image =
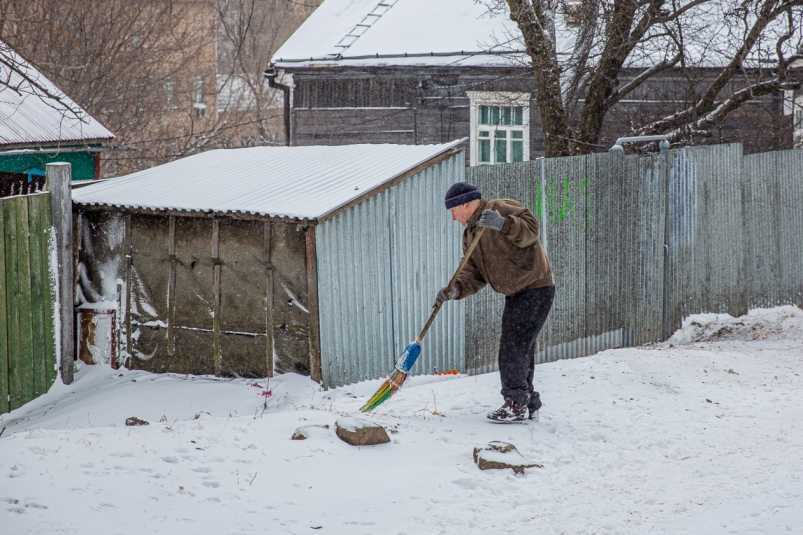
(702, 434)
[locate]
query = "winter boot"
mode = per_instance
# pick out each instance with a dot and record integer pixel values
(509, 412)
(534, 405)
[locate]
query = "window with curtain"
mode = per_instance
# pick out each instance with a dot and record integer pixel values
(500, 128)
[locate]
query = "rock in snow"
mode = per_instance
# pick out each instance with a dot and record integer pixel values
(359, 432)
(502, 455)
(306, 431)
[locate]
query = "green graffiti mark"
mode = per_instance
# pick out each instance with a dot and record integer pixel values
(568, 206)
(566, 200)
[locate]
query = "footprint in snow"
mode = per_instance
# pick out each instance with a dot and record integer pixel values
(469, 484)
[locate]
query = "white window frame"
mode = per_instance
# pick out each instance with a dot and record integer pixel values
(797, 122)
(198, 89)
(498, 98)
(170, 94)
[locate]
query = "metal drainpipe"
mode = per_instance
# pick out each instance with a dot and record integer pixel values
(271, 75)
(663, 145)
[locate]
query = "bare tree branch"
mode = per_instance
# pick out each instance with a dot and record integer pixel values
(718, 54)
(642, 77)
(722, 109)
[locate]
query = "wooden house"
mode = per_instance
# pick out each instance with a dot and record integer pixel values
(39, 125)
(423, 71)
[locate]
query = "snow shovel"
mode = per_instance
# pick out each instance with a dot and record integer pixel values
(396, 379)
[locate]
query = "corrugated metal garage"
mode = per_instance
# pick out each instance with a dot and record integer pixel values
(319, 260)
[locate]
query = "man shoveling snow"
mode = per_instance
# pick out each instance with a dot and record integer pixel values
(509, 258)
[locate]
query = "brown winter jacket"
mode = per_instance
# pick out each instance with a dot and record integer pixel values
(509, 260)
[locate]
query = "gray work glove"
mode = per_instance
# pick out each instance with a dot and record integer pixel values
(443, 296)
(491, 219)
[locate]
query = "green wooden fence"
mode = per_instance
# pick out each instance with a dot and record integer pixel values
(28, 352)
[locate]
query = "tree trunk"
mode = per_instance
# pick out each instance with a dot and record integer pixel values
(536, 24)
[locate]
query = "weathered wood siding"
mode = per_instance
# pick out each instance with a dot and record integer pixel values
(419, 105)
(213, 296)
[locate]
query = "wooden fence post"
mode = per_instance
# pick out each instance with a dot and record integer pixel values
(59, 178)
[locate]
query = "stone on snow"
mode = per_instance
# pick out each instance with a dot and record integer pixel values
(497, 455)
(359, 432)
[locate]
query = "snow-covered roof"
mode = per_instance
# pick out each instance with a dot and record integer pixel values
(356, 33)
(33, 110)
(295, 182)
(403, 32)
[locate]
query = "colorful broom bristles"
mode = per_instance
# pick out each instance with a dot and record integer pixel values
(390, 386)
(396, 379)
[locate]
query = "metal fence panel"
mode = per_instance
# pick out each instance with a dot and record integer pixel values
(789, 167)
(773, 196)
(705, 221)
(648, 293)
(639, 243)
(380, 264)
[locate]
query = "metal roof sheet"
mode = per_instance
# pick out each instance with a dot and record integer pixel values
(296, 182)
(34, 110)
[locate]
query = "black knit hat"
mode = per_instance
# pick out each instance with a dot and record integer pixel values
(461, 193)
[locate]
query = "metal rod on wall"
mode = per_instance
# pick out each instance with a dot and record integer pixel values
(128, 262)
(216, 316)
(268, 296)
(171, 288)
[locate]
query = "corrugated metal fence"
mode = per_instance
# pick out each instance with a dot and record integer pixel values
(628, 265)
(28, 354)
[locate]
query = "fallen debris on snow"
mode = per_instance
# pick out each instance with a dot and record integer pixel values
(135, 421)
(306, 431)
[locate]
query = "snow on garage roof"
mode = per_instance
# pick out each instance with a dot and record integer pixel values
(33, 110)
(295, 182)
(402, 32)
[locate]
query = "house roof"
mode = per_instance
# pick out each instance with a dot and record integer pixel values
(34, 111)
(294, 182)
(364, 33)
(403, 32)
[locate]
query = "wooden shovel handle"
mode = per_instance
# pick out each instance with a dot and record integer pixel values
(449, 286)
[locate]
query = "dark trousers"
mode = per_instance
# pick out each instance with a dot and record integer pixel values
(522, 320)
